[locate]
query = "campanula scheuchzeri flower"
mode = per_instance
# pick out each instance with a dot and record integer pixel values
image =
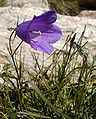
(40, 32)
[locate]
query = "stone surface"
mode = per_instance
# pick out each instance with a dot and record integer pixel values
(9, 16)
(88, 14)
(28, 3)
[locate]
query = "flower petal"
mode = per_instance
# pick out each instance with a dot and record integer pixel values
(40, 32)
(43, 22)
(41, 45)
(40, 23)
(22, 31)
(48, 17)
(52, 35)
(38, 27)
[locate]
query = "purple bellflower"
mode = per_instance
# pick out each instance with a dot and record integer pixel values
(40, 32)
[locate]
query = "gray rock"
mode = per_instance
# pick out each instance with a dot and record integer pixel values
(28, 3)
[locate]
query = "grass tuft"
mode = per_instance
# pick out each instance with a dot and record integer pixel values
(62, 88)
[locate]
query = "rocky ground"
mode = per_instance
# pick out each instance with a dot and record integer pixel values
(28, 8)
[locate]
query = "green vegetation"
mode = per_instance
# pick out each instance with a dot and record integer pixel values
(3, 3)
(71, 7)
(62, 89)
(67, 7)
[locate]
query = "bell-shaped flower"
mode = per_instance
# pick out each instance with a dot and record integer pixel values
(40, 32)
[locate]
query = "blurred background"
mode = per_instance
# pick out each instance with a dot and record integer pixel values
(71, 7)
